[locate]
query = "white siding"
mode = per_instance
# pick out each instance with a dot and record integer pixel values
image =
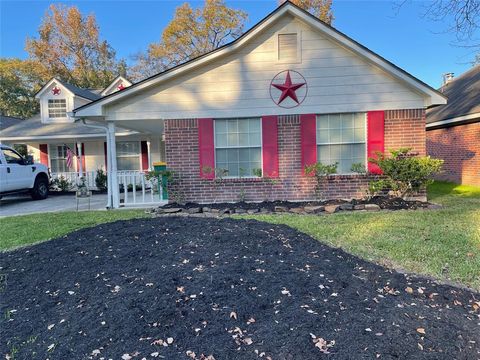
(238, 84)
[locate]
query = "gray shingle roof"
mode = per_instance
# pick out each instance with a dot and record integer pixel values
(7, 121)
(33, 128)
(87, 94)
(463, 97)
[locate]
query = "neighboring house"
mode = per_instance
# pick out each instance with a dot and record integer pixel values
(453, 130)
(48, 134)
(7, 121)
(288, 93)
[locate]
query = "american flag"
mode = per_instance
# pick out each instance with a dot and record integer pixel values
(70, 155)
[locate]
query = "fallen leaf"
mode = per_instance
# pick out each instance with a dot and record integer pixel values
(181, 289)
(420, 346)
(191, 354)
(248, 341)
(126, 357)
(169, 340)
(233, 315)
(250, 321)
(409, 290)
(456, 302)
(50, 327)
(421, 331)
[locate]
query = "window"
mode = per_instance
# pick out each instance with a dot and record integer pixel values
(287, 47)
(128, 155)
(341, 138)
(11, 157)
(58, 158)
(238, 146)
(57, 108)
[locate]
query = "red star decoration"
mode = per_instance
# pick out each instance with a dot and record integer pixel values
(56, 91)
(121, 86)
(288, 89)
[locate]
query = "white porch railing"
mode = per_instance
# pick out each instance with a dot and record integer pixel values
(136, 190)
(74, 178)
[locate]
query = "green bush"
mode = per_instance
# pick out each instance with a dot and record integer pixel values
(320, 172)
(61, 184)
(101, 180)
(404, 172)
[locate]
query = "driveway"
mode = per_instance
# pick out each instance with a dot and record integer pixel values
(23, 204)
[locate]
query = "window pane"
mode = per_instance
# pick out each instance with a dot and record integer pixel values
(360, 120)
(220, 126)
(255, 139)
(221, 155)
(243, 139)
(348, 136)
(221, 140)
(254, 125)
(358, 151)
(322, 122)
(347, 121)
(360, 134)
(244, 155)
(334, 121)
(256, 156)
(335, 136)
(128, 163)
(232, 139)
(322, 137)
(323, 153)
(243, 126)
(232, 155)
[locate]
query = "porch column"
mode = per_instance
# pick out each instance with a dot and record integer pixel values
(149, 156)
(112, 161)
(79, 158)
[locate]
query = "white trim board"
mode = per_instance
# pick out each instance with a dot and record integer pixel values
(432, 97)
(454, 120)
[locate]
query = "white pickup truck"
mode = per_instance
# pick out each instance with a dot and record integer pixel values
(22, 175)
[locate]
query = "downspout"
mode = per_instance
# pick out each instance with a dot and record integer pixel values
(109, 162)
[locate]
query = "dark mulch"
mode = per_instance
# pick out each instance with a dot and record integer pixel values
(387, 203)
(115, 290)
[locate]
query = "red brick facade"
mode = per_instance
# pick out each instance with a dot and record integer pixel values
(405, 128)
(459, 147)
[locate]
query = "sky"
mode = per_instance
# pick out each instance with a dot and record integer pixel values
(404, 36)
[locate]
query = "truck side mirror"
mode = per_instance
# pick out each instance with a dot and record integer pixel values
(29, 160)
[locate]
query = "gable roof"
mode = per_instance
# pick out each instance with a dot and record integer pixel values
(7, 121)
(84, 93)
(463, 100)
(118, 78)
(287, 7)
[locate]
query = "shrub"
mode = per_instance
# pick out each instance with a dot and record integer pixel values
(61, 184)
(320, 172)
(404, 172)
(358, 168)
(101, 180)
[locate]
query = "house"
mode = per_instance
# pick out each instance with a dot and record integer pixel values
(453, 130)
(7, 121)
(49, 134)
(288, 93)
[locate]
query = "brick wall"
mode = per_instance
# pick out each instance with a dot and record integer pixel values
(402, 129)
(459, 147)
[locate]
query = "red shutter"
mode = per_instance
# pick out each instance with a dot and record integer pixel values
(308, 138)
(270, 146)
(44, 154)
(105, 154)
(375, 137)
(144, 149)
(206, 148)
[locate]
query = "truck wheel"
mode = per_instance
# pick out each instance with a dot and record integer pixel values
(40, 189)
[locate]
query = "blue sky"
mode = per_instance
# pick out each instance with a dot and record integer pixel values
(404, 37)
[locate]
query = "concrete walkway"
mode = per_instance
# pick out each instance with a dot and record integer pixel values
(23, 204)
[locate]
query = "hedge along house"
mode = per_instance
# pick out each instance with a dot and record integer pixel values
(288, 93)
(49, 133)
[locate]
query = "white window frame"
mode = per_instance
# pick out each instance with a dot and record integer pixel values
(53, 149)
(299, 46)
(237, 147)
(56, 101)
(317, 143)
(139, 156)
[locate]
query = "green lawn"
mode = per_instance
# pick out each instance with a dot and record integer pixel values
(29, 229)
(442, 243)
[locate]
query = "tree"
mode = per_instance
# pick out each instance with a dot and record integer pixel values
(19, 81)
(191, 33)
(320, 8)
(68, 46)
(461, 17)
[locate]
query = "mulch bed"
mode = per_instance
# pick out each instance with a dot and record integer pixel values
(204, 288)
